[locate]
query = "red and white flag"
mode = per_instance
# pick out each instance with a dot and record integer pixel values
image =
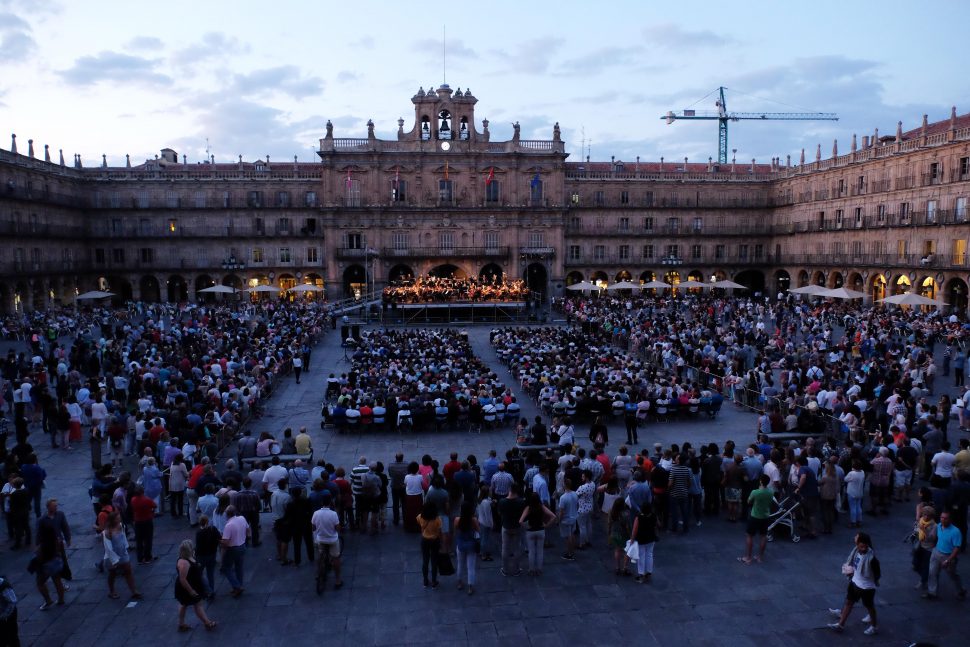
(491, 176)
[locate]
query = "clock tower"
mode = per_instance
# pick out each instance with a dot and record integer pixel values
(442, 115)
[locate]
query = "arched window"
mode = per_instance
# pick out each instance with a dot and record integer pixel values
(463, 130)
(444, 125)
(425, 128)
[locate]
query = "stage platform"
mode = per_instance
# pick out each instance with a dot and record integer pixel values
(456, 312)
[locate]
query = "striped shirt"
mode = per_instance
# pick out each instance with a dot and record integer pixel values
(679, 481)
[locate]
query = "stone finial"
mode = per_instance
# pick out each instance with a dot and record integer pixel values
(752, 165)
(788, 161)
(78, 163)
(818, 153)
(953, 117)
(710, 164)
(267, 159)
(240, 159)
(661, 163)
(61, 150)
(185, 159)
(294, 159)
(685, 164)
(853, 147)
(865, 142)
(835, 148)
(13, 142)
(127, 161)
(104, 161)
(925, 123)
(875, 137)
(30, 148)
(556, 134)
(400, 127)
(899, 132)
(801, 160)
(47, 153)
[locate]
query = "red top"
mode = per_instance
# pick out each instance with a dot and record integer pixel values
(142, 508)
(450, 468)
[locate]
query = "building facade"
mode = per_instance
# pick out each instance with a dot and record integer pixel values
(443, 198)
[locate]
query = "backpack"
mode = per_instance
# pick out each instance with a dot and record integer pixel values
(8, 599)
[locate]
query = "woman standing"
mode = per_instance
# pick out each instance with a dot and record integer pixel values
(207, 541)
(466, 531)
(828, 488)
(151, 480)
(854, 482)
(645, 534)
(925, 543)
(485, 522)
(116, 554)
(536, 518)
(189, 586)
(598, 433)
(618, 529)
(430, 524)
(178, 477)
(413, 497)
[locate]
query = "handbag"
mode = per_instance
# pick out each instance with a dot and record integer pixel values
(632, 550)
(445, 567)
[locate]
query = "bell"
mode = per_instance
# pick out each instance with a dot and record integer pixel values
(444, 126)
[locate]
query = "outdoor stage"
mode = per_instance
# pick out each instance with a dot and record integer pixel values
(456, 312)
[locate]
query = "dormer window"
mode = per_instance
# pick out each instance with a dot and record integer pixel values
(463, 130)
(260, 167)
(444, 125)
(425, 128)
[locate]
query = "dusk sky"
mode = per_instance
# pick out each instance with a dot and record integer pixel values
(262, 78)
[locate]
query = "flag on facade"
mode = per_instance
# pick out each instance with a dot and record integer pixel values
(535, 180)
(491, 176)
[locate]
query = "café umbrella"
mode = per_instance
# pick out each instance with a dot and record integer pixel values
(583, 285)
(624, 285)
(218, 289)
(911, 299)
(94, 294)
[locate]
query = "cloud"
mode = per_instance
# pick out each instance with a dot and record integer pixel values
(674, 36)
(240, 126)
(531, 56)
(212, 45)
(345, 76)
(287, 79)
(364, 42)
(16, 39)
(114, 67)
(144, 42)
(600, 59)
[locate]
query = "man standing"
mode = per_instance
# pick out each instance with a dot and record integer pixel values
(234, 538)
(568, 518)
(297, 366)
(143, 514)
(248, 505)
(34, 476)
(510, 510)
(760, 509)
(326, 538)
(396, 471)
(944, 557)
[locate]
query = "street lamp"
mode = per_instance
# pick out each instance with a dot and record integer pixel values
(232, 264)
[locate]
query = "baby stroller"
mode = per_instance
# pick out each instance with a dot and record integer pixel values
(785, 516)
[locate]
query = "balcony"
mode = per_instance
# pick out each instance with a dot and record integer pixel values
(441, 252)
(537, 253)
(32, 230)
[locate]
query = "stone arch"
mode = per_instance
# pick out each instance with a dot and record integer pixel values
(574, 277)
(491, 273)
(901, 284)
(6, 299)
(149, 289)
(955, 291)
(400, 274)
(600, 278)
(754, 280)
(782, 281)
(836, 280)
(854, 281)
(622, 275)
(877, 287)
(203, 281)
(537, 280)
(176, 288)
(448, 271)
(672, 277)
(233, 281)
(355, 281)
(120, 286)
(818, 277)
(647, 276)
(927, 287)
(803, 278)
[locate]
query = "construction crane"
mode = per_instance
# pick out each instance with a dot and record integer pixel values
(723, 117)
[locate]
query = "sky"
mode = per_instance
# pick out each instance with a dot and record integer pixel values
(262, 78)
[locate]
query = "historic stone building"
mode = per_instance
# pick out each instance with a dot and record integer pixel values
(443, 198)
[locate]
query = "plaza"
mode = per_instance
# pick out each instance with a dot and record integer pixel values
(700, 593)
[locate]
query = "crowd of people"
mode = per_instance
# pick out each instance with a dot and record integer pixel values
(415, 380)
(435, 289)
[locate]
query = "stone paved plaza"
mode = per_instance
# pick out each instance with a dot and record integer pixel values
(700, 594)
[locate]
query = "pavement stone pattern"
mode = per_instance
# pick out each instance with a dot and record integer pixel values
(700, 594)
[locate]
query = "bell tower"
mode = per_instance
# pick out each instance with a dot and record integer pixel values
(443, 114)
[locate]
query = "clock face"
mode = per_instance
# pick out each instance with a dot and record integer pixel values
(445, 146)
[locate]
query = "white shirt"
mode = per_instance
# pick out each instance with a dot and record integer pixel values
(325, 522)
(272, 477)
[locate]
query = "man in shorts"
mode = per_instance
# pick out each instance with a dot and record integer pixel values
(568, 519)
(758, 519)
(863, 574)
(326, 537)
